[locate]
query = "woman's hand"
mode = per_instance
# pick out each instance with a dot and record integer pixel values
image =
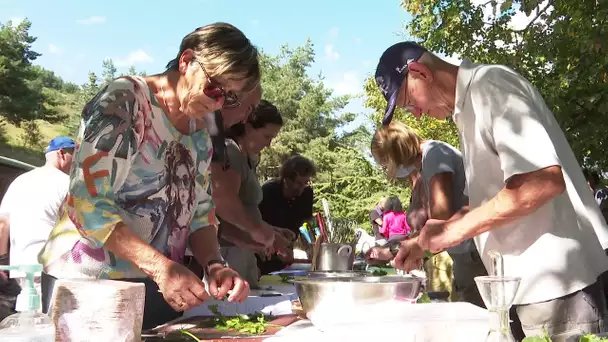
(379, 253)
(282, 244)
(181, 288)
(285, 233)
(225, 280)
(286, 256)
(264, 235)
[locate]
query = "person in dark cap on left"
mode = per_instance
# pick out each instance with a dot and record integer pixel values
(30, 206)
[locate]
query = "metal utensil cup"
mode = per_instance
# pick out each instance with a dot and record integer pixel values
(335, 257)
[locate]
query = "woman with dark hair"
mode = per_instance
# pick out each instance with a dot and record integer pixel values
(238, 190)
(139, 184)
(394, 220)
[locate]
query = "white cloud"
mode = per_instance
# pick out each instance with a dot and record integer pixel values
(54, 49)
(138, 56)
(330, 54)
(15, 21)
(519, 21)
(92, 20)
(333, 33)
(255, 22)
(357, 40)
(349, 83)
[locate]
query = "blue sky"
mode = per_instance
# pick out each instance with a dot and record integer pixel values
(75, 36)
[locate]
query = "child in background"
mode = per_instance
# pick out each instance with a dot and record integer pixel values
(394, 221)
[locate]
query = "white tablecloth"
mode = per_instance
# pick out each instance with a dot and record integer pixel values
(449, 322)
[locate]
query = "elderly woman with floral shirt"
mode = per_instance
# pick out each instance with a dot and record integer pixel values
(140, 187)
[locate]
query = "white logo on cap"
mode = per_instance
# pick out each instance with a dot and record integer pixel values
(383, 86)
(400, 70)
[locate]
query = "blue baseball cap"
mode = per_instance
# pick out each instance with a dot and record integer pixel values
(392, 70)
(59, 143)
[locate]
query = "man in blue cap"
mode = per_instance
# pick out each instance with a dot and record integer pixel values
(32, 201)
(528, 197)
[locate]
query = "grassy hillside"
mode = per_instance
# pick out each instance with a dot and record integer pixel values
(11, 136)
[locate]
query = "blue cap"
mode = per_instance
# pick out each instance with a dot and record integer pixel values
(391, 71)
(59, 143)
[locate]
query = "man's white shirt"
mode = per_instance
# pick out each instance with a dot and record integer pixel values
(32, 203)
(506, 129)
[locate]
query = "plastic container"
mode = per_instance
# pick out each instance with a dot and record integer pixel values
(28, 324)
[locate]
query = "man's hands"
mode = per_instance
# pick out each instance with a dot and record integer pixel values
(225, 280)
(181, 288)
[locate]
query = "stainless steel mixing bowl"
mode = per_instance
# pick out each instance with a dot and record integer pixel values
(336, 274)
(334, 301)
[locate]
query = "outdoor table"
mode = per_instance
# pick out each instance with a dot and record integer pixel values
(425, 322)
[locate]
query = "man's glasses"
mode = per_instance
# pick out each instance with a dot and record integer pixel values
(215, 91)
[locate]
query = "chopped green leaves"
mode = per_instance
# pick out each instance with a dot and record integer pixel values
(424, 299)
(251, 324)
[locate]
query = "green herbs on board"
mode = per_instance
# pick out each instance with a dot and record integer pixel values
(379, 273)
(424, 299)
(250, 324)
(546, 338)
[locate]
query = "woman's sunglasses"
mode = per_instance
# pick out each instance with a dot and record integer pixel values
(216, 92)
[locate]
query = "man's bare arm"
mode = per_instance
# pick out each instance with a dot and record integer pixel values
(522, 196)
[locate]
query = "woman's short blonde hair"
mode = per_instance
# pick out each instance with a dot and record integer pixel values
(395, 145)
(223, 50)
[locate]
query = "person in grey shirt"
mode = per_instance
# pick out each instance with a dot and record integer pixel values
(443, 190)
(243, 142)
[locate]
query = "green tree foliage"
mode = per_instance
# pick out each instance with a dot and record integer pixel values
(21, 97)
(133, 71)
(27, 91)
(109, 70)
(89, 89)
(562, 51)
(31, 136)
(313, 118)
